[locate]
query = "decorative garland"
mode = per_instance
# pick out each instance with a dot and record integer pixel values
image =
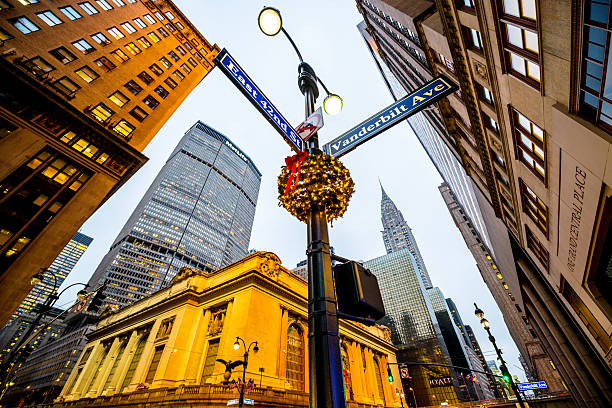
(315, 181)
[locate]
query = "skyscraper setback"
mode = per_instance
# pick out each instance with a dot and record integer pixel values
(198, 212)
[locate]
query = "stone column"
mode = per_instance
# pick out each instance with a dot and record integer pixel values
(281, 366)
(104, 370)
(124, 364)
(195, 359)
(88, 371)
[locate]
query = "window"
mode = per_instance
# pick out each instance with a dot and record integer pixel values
(520, 8)
(118, 98)
(192, 62)
(534, 207)
(83, 46)
(120, 55)
(156, 69)
(124, 128)
(165, 62)
(378, 375)
(485, 94)
(66, 86)
(146, 78)
(106, 64)
(149, 19)
(295, 366)
(139, 113)
(171, 83)
(195, 42)
(4, 35)
(151, 102)
(86, 148)
(490, 123)
(71, 13)
(139, 22)
(100, 39)
(198, 56)
(173, 56)
(530, 144)
(186, 68)
(28, 2)
(473, 39)
(63, 55)
(132, 48)
(154, 363)
(163, 32)
(102, 112)
(178, 75)
(536, 247)
(119, 3)
(466, 4)
(104, 4)
(169, 15)
(115, 32)
(128, 27)
(49, 18)
(144, 42)
(38, 65)
(180, 26)
(153, 37)
(88, 8)
(161, 91)
(133, 87)
(446, 62)
(87, 74)
(170, 27)
(159, 16)
(181, 50)
(24, 25)
(210, 361)
(134, 362)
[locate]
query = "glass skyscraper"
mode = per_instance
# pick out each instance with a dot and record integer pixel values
(198, 212)
(397, 235)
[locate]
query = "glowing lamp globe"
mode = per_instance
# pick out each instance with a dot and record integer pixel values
(332, 104)
(270, 21)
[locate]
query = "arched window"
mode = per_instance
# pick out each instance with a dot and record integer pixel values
(346, 375)
(295, 357)
(379, 381)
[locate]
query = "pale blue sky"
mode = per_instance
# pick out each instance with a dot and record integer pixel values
(328, 39)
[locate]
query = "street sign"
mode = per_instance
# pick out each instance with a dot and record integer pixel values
(532, 385)
(404, 373)
(311, 125)
(391, 116)
(245, 84)
(237, 401)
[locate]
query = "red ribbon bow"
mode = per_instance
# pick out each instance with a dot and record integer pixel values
(293, 164)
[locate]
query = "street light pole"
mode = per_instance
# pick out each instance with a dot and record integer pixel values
(504, 368)
(245, 362)
(325, 364)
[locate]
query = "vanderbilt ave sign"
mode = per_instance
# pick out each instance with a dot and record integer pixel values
(391, 116)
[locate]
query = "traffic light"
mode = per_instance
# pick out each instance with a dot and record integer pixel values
(389, 374)
(505, 374)
(96, 303)
(357, 291)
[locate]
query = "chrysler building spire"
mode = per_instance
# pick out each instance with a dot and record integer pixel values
(397, 234)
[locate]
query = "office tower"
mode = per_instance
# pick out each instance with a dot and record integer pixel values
(497, 277)
(414, 328)
(52, 280)
(301, 269)
(198, 212)
(85, 87)
(203, 310)
(397, 235)
(532, 81)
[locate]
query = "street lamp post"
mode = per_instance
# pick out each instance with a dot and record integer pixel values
(503, 367)
(245, 362)
(401, 396)
(325, 364)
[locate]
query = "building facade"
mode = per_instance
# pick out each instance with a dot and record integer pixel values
(86, 85)
(198, 212)
(174, 337)
(530, 128)
(414, 328)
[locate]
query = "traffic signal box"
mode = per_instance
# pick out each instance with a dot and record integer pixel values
(357, 291)
(98, 300)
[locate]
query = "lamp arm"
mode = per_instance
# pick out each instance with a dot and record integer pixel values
(292, 43)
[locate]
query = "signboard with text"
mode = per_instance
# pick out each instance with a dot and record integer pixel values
(391, 116)
(532, 385)
(440, 381)
(245, 84)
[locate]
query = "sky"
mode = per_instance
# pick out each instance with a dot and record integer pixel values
(326, 34)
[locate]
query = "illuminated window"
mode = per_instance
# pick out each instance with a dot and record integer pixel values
(534, 207)
(85, 147)
(102, 112)
(144, 42)
(124, 128)
(120, 55)
(5, 35)
(115, 33)
(153, 37)
(132, 48)
(87, 74)
(118, 98)
(165, 62)
(66, 86)
(186, 68)
(38, 65)
(178, 75)
(105, 64)
(295, 358)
